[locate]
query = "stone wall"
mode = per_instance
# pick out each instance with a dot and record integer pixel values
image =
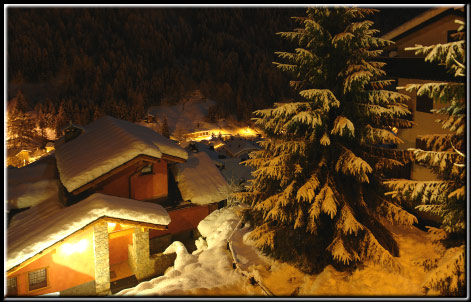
(139, 257)
(86, 289)
(102, 259)
(161, 262)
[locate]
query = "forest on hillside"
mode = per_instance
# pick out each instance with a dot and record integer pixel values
(119, 61)
(75, 64)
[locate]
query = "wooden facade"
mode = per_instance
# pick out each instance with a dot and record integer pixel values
(143, 178)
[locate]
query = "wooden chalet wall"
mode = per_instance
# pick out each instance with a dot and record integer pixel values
(66, 266)
(185, 219)
(130, 183)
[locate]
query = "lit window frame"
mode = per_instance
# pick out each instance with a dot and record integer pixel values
(38, 285)
(10, 291)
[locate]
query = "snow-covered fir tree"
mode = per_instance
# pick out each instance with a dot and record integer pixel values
(317, 196)
(20, 124)
(446, 156)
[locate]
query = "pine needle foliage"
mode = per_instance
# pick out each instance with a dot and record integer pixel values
(316, 195)
(445, 155)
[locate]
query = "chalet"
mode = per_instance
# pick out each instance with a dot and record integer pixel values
(79, 250)
(434, 26)
(110, 162)
(118, 158)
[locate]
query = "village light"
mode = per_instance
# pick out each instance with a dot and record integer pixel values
(69, 248)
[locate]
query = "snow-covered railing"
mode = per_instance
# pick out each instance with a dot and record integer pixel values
(251, 276)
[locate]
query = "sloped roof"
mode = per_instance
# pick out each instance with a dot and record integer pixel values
(106, 144)
(45, 224)
(199, 180)
(30, 185)
(238, 145)
(415, 22)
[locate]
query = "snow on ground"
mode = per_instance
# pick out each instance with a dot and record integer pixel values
(208, 270)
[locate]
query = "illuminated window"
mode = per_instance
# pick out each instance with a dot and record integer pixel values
(12, 288)
(37, 279)
(147, 170)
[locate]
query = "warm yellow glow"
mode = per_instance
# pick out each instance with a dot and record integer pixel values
(247, 131)
(394, 129)
(209, 134)
(77, 247)
(218, 145)
(111, 226)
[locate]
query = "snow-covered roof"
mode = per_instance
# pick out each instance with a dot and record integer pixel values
(106, 144)
(32, 184)
(45, 224)
(199, 180)
(238, 146)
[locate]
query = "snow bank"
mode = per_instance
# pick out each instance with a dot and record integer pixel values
(210, 266)
(199, 180)
(45, 224)
(106, 144)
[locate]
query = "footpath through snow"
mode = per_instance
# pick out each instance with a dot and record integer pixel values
(208, 271)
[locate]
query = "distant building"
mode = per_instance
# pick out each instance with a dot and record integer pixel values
(432, 27)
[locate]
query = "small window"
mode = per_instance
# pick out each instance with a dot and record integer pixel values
(147, 170)
(424, 104)
(37, 279)
(12, 287)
